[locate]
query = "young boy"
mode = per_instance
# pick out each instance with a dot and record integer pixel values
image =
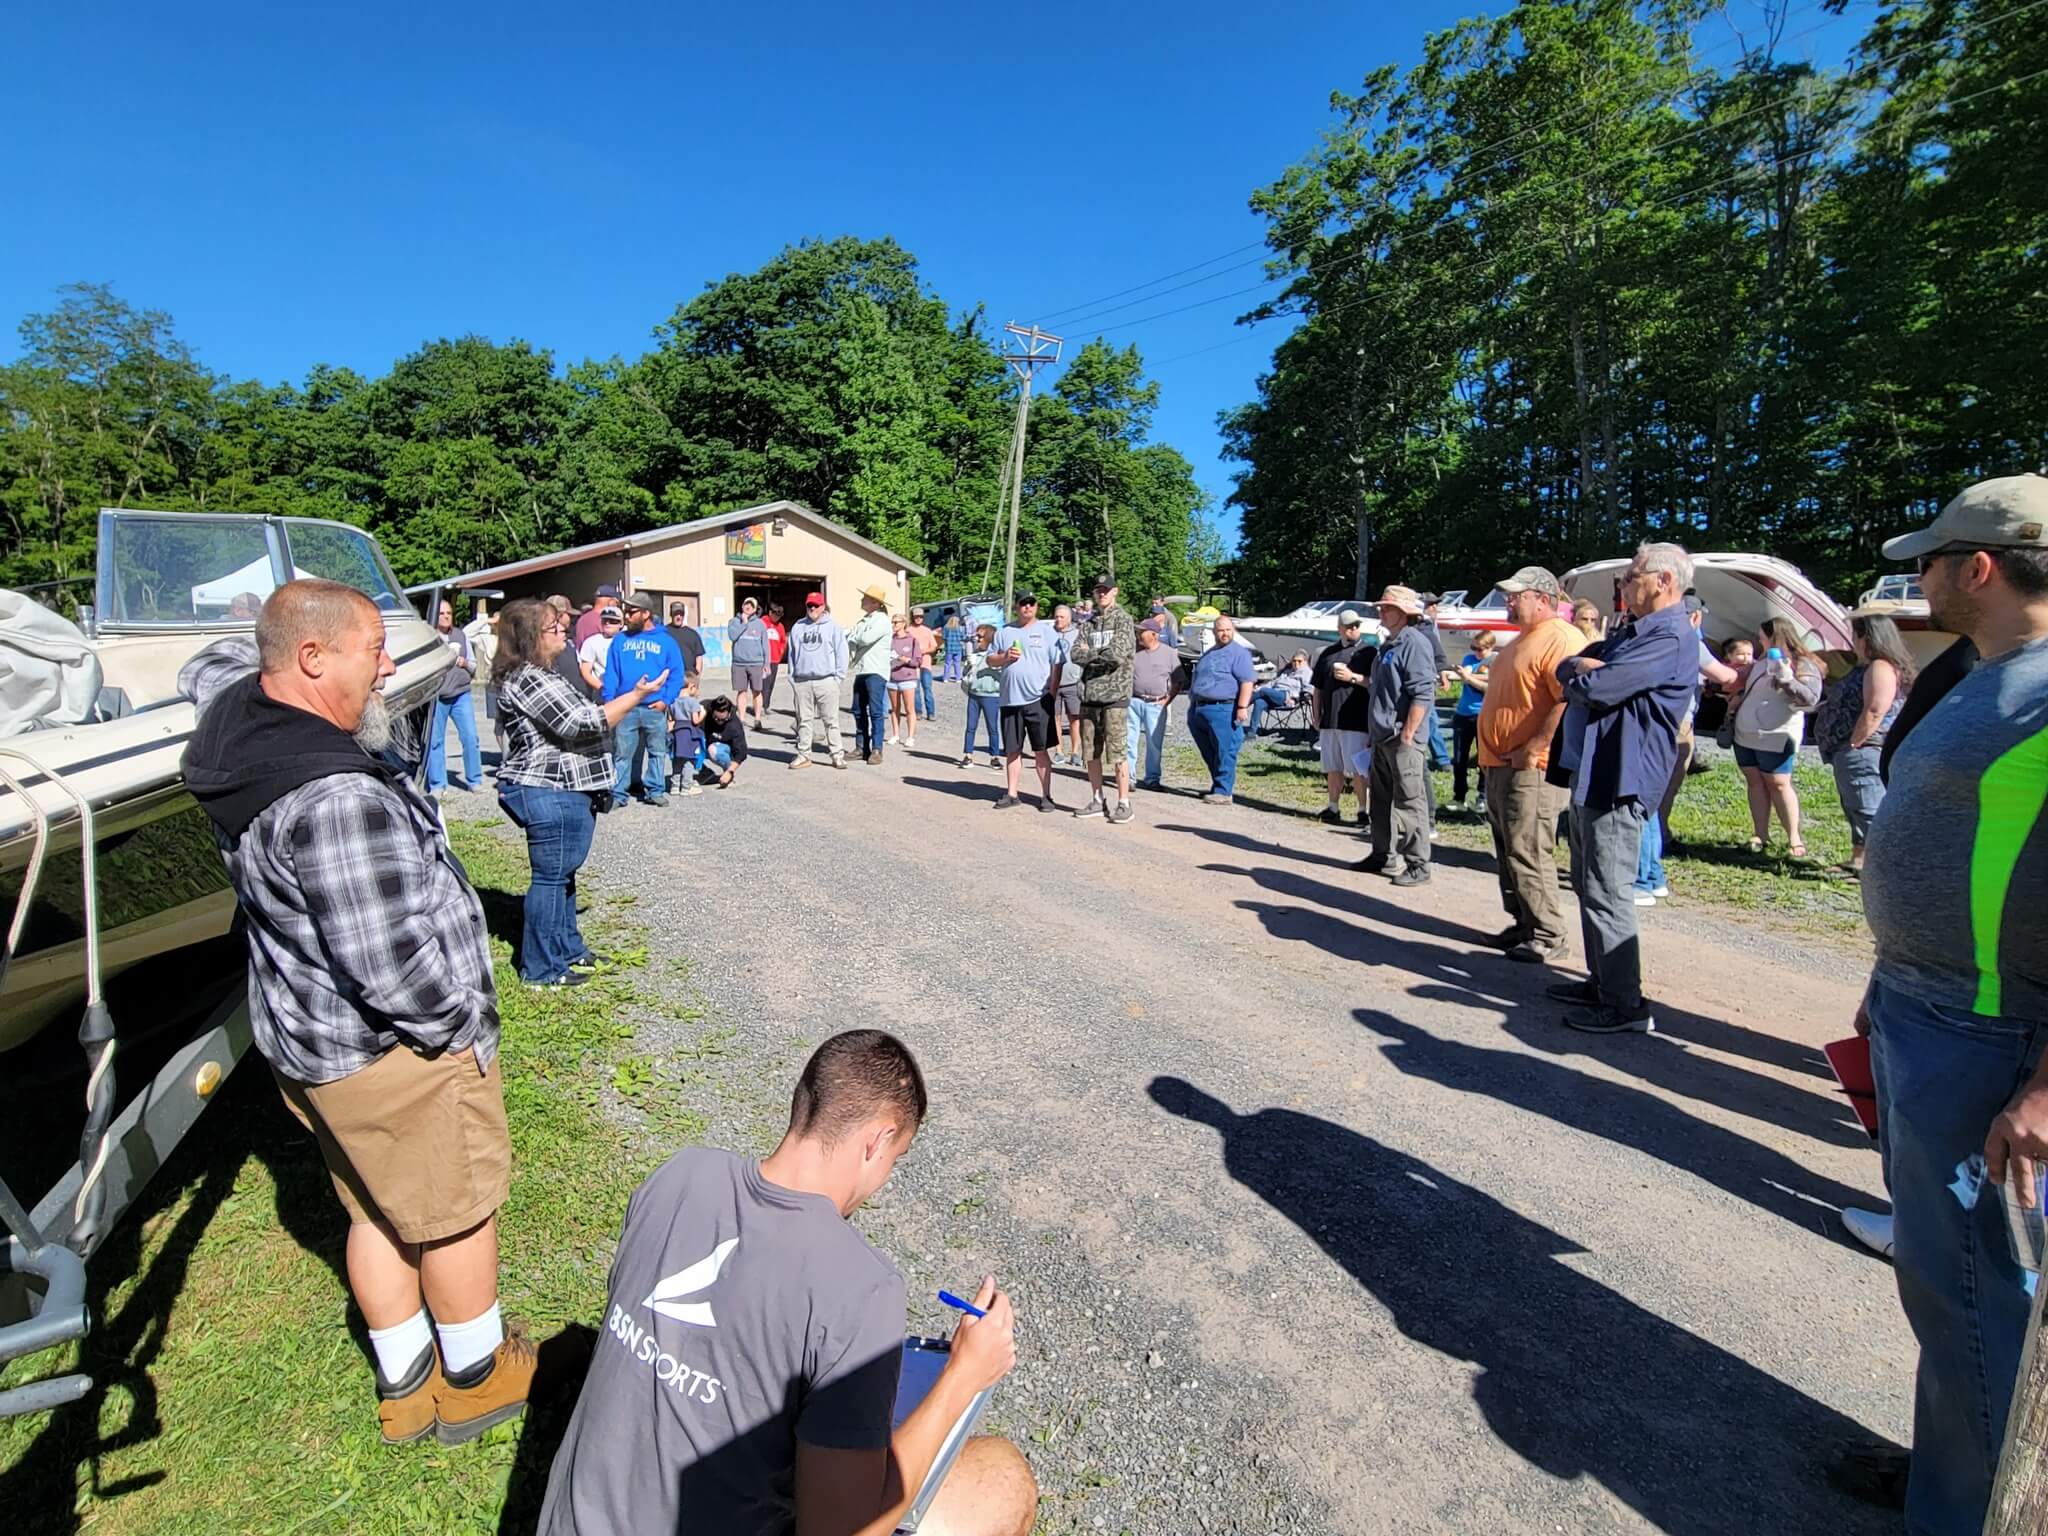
(686, 737)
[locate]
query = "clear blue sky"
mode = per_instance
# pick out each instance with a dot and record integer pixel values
(339, 184)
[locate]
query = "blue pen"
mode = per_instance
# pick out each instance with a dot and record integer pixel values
(965, 1306)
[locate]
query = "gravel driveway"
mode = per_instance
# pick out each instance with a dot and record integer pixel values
(1316, 1218)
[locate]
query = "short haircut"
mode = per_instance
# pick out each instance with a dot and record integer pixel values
(2025, 570)
(852, 1078)
(307, 609)
(1667, 557)
(1483, 641)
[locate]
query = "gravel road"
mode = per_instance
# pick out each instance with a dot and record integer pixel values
(1316, 1218)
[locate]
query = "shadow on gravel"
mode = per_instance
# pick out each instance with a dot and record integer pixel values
(1574, 1378)
(988, 790)
(1356, 901)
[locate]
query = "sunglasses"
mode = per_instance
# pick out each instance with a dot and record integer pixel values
(1926, 561)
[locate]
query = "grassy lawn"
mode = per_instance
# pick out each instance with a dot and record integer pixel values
(234, 1391)
(1711, 818)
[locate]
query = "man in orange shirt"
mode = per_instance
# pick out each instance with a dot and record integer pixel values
(1524, 702)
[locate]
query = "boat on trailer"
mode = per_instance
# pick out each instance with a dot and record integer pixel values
(109, 872)
(1311, 627)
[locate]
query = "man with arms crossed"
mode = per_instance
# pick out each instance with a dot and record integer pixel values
(745, 1380)
(1523, 703)
(1955, 887)
(1105, 651)
(369, 993)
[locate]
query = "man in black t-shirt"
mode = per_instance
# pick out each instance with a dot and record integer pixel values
(1340, 711)
(687, 640)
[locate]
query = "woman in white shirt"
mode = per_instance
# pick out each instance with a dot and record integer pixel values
(1784, 682)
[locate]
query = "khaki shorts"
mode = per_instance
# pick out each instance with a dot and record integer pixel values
(1105, 733)
(416, 1144)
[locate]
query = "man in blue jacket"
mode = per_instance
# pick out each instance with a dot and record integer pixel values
(644, 650)
(1633, 689)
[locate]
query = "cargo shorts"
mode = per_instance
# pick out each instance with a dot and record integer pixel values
(1105, 733)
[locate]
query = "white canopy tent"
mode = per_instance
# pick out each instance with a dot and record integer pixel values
(211, 598)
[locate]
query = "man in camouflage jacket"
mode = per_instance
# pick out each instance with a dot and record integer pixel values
(1104, 649)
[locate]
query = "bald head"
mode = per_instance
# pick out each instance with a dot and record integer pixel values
(329, 612)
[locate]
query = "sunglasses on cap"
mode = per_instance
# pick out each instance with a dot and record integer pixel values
(611, 618)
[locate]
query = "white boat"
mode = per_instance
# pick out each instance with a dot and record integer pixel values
(163, 593)
(1740, 591)
(1897, 597)
(1456, 615)
(1309, 628)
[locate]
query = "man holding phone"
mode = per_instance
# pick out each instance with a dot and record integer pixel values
(745, 1380)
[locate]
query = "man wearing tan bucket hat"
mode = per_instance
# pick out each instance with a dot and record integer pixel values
(1955, 888)
(867, 649)
(1402, 694)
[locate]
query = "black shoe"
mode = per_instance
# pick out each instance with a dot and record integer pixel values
(1332, 815)
(1873, 1472)
(1008, 802)
(1603, 1020)
(1573, 992)
(1372, 864)
(1045, 803)
(570, 978)
(1507, 938)
(1414, 874)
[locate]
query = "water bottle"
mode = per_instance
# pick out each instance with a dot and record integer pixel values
(2023, 1227)
(1774, 654)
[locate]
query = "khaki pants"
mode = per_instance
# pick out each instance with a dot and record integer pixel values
(1400, 802)
(1522, 811)
(817, 712)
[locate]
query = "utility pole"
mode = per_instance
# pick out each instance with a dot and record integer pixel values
(1036, 349)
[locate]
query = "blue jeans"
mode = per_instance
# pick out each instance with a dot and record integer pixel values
(1263, 699)
(1439, 749)
(956, 664)
(989, 707)
(925, 706)
(870, 709)
(1145, 720)
(463, 712)
(716, 753)
(1861, 789)
(1217, 738)
(1650, 855)
(1942, 1077)
(646, 730)
(558, 825)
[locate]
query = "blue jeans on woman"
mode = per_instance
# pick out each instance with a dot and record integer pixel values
(870, 709)
(1650, 856)
(643, 730)
(1861, 788)
(989, 707)
(925, 706)
(1213, 724)
(462, 710)
(1943, 1074)
(1264, 699)
(558, 825)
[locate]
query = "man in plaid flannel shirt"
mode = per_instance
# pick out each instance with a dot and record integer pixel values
(370, 993)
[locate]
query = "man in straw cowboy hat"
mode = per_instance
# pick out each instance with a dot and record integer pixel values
(867, 646)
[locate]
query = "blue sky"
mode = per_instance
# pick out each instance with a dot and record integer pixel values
(339, 184)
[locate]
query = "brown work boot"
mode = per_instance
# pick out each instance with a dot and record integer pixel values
(405, 1411)
(498, 1395)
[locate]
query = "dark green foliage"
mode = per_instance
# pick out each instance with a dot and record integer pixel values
(1567, 288)
(831, 376)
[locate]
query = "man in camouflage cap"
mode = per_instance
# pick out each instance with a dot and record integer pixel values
(1104, 650)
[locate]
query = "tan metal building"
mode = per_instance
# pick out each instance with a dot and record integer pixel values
(777, 552)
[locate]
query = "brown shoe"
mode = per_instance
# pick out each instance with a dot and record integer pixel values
(406, 1411)
(466, 1412)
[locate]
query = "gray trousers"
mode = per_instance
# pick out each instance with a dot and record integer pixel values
(1522, 811)
(1399, 791)
(817, 710)
(1605, 846)
(1862, 789)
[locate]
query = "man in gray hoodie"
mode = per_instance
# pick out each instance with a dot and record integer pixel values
(748, 637)
(817, 666)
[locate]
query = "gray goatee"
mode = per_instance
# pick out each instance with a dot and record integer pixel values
(373, 733)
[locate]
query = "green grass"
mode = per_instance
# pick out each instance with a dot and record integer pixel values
(235, 1397)
(1714, 870)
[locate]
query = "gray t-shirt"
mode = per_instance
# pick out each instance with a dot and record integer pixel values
(1043, 649)
(1404, 674)
(1955, 877)
(741, 1317)
(1156, 672)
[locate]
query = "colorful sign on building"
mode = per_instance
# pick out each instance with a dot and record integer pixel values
(746, 544)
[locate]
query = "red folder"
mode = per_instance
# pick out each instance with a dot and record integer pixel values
(1850, 1059)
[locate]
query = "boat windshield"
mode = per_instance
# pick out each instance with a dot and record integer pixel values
(176, 569)
(1898, 587)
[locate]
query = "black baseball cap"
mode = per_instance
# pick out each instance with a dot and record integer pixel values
(1027, 597)
(1104, 583)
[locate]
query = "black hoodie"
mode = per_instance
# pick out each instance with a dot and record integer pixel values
(249, 751)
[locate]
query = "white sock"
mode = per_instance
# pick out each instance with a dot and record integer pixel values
(467, 1344)
(398, 1346)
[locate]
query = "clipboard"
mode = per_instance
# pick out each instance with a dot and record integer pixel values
(923, 1359)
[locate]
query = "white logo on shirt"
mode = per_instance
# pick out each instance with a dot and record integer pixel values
(688, 1282)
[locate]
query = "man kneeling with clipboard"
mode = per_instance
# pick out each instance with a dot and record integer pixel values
(746, 1378)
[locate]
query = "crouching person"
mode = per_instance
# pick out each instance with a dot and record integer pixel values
(745, 1378)
(370, 993)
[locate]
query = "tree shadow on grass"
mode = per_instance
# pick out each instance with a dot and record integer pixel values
(1573, 1377)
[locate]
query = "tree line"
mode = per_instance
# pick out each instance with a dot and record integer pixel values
(1566, 286)
(830, 376)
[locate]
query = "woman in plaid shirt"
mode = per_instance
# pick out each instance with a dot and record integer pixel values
(555, 777)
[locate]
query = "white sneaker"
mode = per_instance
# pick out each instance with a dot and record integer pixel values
(1645, 899)
(891, 741)
(1661, 892)
(909, 742)
(1870, 1229)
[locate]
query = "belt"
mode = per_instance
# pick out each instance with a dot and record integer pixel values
(1151, 698)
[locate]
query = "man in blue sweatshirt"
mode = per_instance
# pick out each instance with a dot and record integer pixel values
(1634, 689)
(644, 650)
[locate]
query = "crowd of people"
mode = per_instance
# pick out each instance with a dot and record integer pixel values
(373, 1002)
